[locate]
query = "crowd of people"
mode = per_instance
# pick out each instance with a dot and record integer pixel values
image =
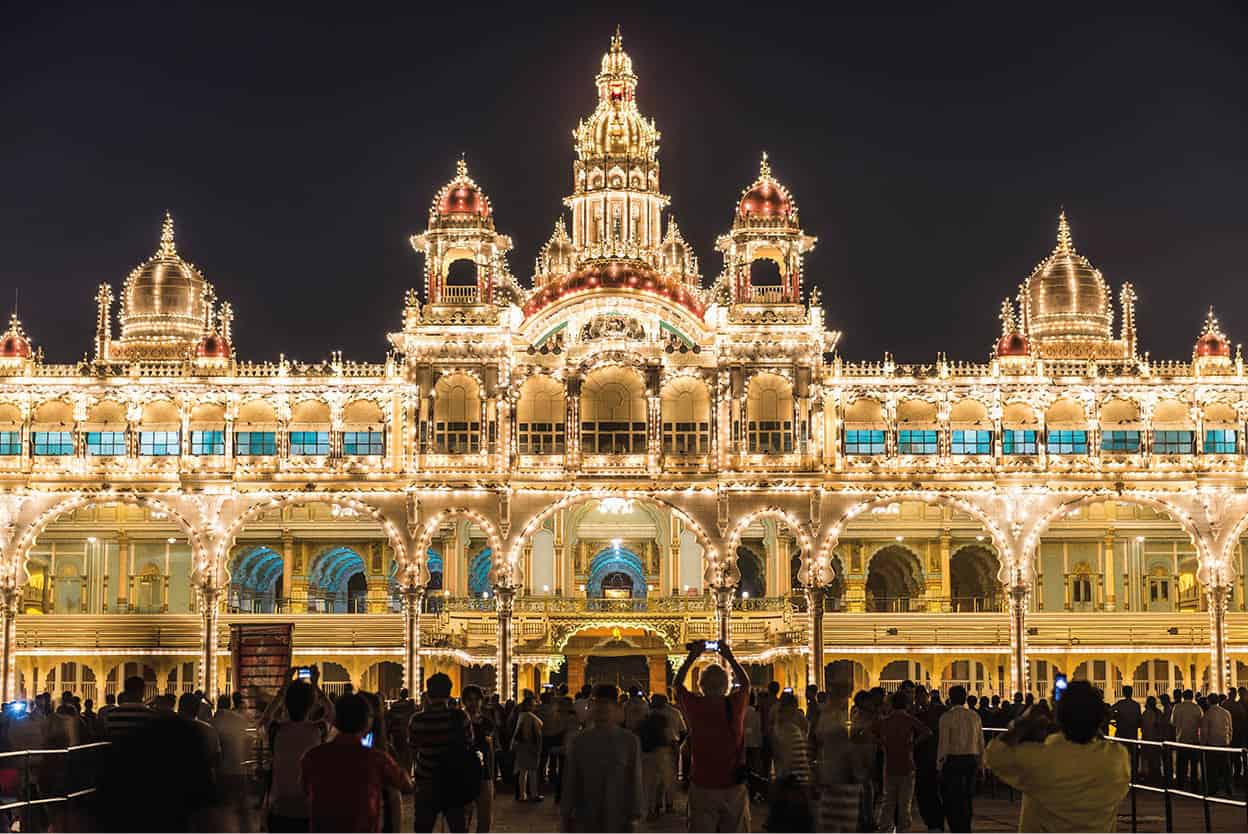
(616, 760)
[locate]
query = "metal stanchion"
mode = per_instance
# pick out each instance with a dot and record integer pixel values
(1167, 775)
(1204, 789)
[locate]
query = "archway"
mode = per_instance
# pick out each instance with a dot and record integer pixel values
(334, 678)
(115, 680)
(753, 582)
(1103, 674)
(897, 672)
(849, 673)
(972, 675)
(71, 677)
(256, 581)
(894, 581)
(385, 678)
(764, 544)
(625, 570)
(337, 582)
(1156, 677)
(479, 570)
(973, 582)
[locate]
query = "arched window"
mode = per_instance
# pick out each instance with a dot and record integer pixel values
(457, 415)
(479, 573)
(540, 417)
(686, 413)
(460, 285)
(769, 415)
(613, 413)
(753, 583)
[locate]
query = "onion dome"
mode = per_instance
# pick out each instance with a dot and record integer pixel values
(628, 276)
(461, 202)
(675, 257)
(165, 298)
(14, 344)
(1212, 341)
(213, 346)
(1065, 298)
(1012, 341)
(766, 202)
(558, 256)
(616, 128)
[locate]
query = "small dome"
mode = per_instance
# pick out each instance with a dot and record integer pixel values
(213, 346)
(1212, 341)
(14, 346)
(558, 256)
(165, 297)
(766, 200)
(461, 198)
(1066, 296)
(1012, 344)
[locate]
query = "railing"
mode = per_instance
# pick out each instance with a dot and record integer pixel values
(767, 294)
(460, 294)
(51, 783)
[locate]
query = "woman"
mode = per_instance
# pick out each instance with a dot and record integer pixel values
(526, 749)
(1153, 727)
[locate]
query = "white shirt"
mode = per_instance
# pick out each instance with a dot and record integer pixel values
(961, 734)
(1215, 727)
(753, 728)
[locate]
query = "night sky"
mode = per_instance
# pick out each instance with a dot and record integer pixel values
(299, 146)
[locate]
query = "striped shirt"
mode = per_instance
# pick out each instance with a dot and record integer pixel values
(431, 733)
(124, 720)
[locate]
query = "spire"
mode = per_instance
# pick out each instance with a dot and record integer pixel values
(617, 40)
(764, 168)
(1212, 328)
(461, 167)
(1008, 324)
(167, 247)
(1064, 243)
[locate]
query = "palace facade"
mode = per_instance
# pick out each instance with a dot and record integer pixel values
(575, 475)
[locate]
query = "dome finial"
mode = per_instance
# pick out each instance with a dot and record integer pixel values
(167, 247)
(617, 40)
(1007, 317)
(461, 167)
(764, 168)
(1064, 243)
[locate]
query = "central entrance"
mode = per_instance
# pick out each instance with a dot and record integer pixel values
(623, 671)
(625, 656)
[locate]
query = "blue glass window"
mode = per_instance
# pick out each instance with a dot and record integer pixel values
(207, 443)
(52, 443)
(1174, 442)
(363, 443)
(971, 442)
(1120, 441)
(106, 443)
(309, 443)
(864, 441)
(10, 442)
(251, 444)
(1019, 442)
(1064, 442)
(917, 442)
(1217, 441)
(160, 444)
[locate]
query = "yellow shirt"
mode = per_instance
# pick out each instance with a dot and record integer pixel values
(1065, 786)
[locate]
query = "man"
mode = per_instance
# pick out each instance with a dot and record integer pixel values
(602, 786)
(130, 715)
(289, 740)
(210, 742)
(1238, 708)
(110, 704)
(232, 728)
(929, 710)
(1185, 717)
(1127, 716)
(398, 717)
(484, 732)
(636, 709)
(1073, 780)
(676, 732)
(898, 732)
(345, 781)
(718, 794)
(582, 705)
(432, 734)
(1215, 731)
(958, 751)
(766, 704)
(552, 739)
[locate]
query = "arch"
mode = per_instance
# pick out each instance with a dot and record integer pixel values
(255, 577)
(480, 568)
(613, 560)
(331, 569)
(1066, 413)
(769, 414)
(753, 570)
(541, 416)
(1156, 676)
(310, 412)
(542, 563)
(560, 637)
(461, 272)
(433, 563)
(1018, 414)
(492, 539)
(969, 412)
(53, 413)
(894, 579)
(256, 413)
(162, 414)
(457, 414)
(1120, 412)
(733, 540)
(208, 414)
(1218, 413)
(974, 579)
(362, 412)
(106, 413)
(765, 269)
(865, 411)
(1172, 414)
(613, 411)
(685, 415)
(916, 412)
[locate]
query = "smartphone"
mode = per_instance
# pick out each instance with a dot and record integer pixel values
(788, 689)
(367, 741)
(548, 686)
(712, 645)
(304, 673)
(15, 708)
(1059, 686)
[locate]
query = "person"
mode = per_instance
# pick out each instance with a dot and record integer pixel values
(927, 774)
(398, 718)
(842, 768)
(1072, 780)
(110, 704)
(552, 739)
(289, 740)
(1215, 731)
(1238, 708)
(1153, 727)
(767, 701)
(582, 705)
(526, 748)
(90, 721)
(718, 796)
(344, 780)
(754, 747)
(602, 786)
(232, 728)
(1185, 719)
(188, 710)
(636, 709)
(435, 733)
(484, 732)
(129, 715)
(1126, 716)
(666, 727)
(958, 751)
(790, 799)
(898, 733)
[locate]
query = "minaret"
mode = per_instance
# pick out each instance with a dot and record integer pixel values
(103, 322)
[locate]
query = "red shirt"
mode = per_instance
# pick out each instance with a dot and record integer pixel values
(898, 733)
(344, 781)
(716, 736)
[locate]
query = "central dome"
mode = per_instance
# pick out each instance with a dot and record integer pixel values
(165, 298)
(1066, 298)
(615, 275)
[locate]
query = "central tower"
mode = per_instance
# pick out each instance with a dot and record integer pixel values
(616, 204)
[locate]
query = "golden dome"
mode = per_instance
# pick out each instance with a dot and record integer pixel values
(616, 128)
(558, 256)
(165, 298)
(1065, 297)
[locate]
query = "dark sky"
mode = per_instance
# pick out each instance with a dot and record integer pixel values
(299, 146)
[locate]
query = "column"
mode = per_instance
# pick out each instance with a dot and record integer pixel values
(125, 558)
(946, 552)
(1217, 595)
(576, 672)
(1018, 638)
(1111, 591)
(814, 611)
(413, 602)
(504, 603)
(288, 572)
(9, 599)
(658, 674)
(206, 677)
(723, 612)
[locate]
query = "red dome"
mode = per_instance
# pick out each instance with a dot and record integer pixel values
(14, 346)
(764, 200)
(213, 346)
(461, 198)
(1012, 344)
(615, 275)
(1211, 344)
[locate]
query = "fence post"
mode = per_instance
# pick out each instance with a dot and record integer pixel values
(1135, 775)
(1167, 773)
(1204, 788)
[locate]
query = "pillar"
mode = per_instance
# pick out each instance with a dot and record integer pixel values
(504, 603)
(658, 674)
(576, 672)
(209, 614)
(1111, 584)
(1018, 638)
(723, 612)
(814, 612)
(1217, 595)
(9, 599)
(946, 553)
(124, 561)
(288, 572)
(413, 602)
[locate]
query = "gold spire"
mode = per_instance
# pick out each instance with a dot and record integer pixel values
(167, 247)
(617, 40)
(764, 168)
(1064, 243)
(1212, 328)
(1007, 317)
(461, 167)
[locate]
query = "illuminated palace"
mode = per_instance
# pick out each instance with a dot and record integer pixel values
(574, 476)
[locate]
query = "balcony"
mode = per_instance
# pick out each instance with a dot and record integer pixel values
(767, 294)
(460, 294)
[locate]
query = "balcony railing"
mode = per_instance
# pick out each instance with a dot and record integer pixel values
(460, 294)
(767, 294)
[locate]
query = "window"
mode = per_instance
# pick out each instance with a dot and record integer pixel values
(1019, 442)
(106, 443)
(251, 444)
(1174, 442)
(971, 442)
(864, 441)
(1158, 589)
(770, 437)
(309, 443)
(1221, 441)
(52, 442)
(10, 442)
(457, 438)
(1120, 441)
(1063, 442)
(207, 443)
(364, 443)
(610, 437)
(1081, 590)
(160, 444)
(686, 438)
(544, 438)
(917, 442)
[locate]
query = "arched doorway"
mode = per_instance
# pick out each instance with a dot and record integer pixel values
(973, 583)
(894, 581)
(616, 573)
(848, 673)
(753, 582)
(334, 679)
(338, 583)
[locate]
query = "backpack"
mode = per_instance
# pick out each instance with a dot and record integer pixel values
(457, 779)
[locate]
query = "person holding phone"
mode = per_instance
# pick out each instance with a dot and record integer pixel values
(718, 793)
